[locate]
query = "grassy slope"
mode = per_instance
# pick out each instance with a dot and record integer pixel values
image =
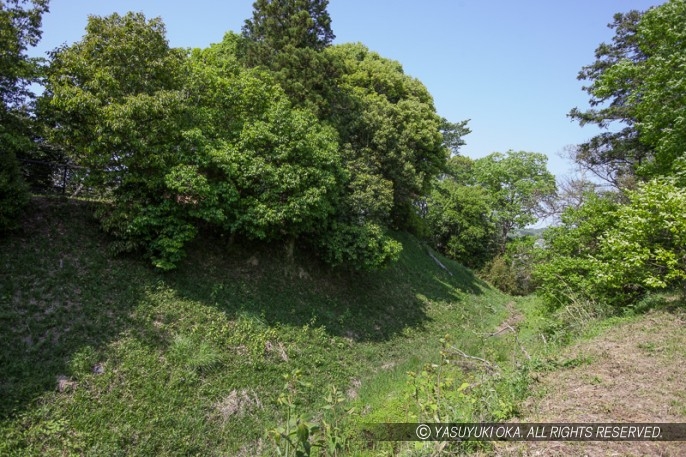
(104, 356)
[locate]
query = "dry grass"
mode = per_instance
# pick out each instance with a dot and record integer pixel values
(237, 404)
(636, 374)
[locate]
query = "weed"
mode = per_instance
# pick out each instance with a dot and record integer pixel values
(433, 390)
(294, 437)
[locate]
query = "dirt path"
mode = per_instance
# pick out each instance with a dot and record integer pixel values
(634, 372)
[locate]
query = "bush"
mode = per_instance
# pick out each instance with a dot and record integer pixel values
(511, 272)
(363, 247)
(565, 266)
(616, 254)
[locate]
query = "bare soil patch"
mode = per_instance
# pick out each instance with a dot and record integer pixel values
(511, 323)
(635, 372)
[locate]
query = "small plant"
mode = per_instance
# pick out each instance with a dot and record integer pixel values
(298, 436)
(333, 433)
(433, 389)
(295, 437)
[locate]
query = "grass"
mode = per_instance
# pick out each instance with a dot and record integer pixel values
(102, 355)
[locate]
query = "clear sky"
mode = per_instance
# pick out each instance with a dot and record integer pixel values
(508, 65)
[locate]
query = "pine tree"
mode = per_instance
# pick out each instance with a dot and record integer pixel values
(278, 24)
(287, 37)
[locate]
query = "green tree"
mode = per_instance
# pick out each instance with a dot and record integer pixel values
(392, 149)
(13, 190)
(181, 142)
(646, 248)
(565, 269)
(390, 138)
(288, 37)
(519, 183)
(638, 82)
(278, 24)
(20, 28)
(280, 160)
(614, 155)
(115, 101)
(660, 98)
(453, 135)
(613, 253)
(461, 223)
(97, 91)
(388, 125)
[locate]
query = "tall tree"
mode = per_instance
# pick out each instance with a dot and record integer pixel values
(519, 182)
(660, 98)
(638, 81)
(20, 28)
(453, 135)
(287, 37)
(282, 164)
(278, 24)
(613, 155)
(389, 127)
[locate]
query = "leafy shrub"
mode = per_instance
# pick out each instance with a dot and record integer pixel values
(615, 254)
(511, 272)
(565, 267)
(364, 247)
(646, 250)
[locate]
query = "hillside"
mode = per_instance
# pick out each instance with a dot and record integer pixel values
(102, 355)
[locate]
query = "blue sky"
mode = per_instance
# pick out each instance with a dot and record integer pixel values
(509, 66)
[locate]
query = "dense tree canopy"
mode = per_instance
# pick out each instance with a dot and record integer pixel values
(273, 134)
(287, 37)
(661, 96)
(477, 204)
(461, 221)
(390, 137)
(389, 126)
(650, 238)
(181, 140)
(277, 25)
(20, 28)
(102, 89)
